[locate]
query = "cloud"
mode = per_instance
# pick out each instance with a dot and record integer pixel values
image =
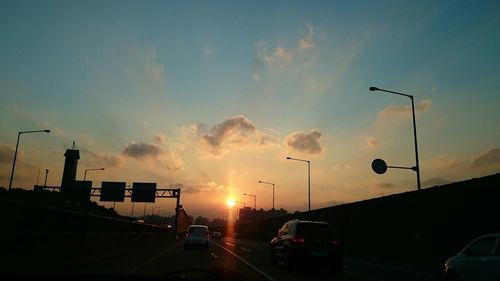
(160, 139)
(307, 43)
(370, 143)
(385, 185)
(281, 55)
(487, 159)
(141, 150)
(235, 132)
(154, 154)
(101, 159)
(405, 110)
(208, 51)
(435, 182)
(6, 154)
(145, 67)
(304, 143)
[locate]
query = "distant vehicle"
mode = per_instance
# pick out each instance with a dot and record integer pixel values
(300, 242)
(216, 235)
(479, 260)
(197, 236)
(236, 235)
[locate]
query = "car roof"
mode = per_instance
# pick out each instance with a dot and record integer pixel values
(304, 221)
(198, 225)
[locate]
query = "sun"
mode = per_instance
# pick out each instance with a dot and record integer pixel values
(230, 202)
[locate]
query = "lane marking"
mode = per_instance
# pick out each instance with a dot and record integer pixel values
(231, 244)
(363, 276)
(247, 263)
(246, 250)
(214, 255)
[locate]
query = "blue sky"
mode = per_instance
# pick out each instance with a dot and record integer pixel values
(212, 96)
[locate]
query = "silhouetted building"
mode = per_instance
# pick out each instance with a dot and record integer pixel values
(70, 166)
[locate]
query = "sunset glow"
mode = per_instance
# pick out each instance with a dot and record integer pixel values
(230, 202)
(212, 97)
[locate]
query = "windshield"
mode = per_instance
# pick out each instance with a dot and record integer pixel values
(125, 122)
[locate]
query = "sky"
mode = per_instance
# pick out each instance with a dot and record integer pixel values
(212, 96)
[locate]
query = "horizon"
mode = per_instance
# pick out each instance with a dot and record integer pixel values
(213, 97)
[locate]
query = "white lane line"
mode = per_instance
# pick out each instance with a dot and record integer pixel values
(246, 250)
(214, 255)
(363, 276)
(247, 263)
(230, 244)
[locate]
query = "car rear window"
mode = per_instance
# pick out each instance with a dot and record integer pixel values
(316, 230)
(198, 230)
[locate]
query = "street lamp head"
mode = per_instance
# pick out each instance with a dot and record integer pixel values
(374, 89)
(288, 158)
(260, 181)
(47, 131)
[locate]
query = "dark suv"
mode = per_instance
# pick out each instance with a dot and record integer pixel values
(300, 243)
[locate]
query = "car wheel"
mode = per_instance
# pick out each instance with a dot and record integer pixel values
(287, 260)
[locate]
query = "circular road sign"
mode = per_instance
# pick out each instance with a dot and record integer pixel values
(379, 166)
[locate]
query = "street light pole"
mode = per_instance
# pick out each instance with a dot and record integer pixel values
(273, 189)
(15, 153)
(417, 166)
(254, 200)
(96, 169)
(46, 174)
(308, 177)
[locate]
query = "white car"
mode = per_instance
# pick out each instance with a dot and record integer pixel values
(478, 261)
(197, 236)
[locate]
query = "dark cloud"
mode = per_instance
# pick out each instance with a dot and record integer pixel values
(303, 142)
(141, 150)
(235, 132)
(6, 154)
(487, 159)
(101, 159)
(435, 182)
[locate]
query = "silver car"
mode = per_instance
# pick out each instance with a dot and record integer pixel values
(197, 236)
(478, 261)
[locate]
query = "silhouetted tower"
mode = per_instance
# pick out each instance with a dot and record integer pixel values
(70, 166)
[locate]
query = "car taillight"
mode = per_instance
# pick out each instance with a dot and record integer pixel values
(298, 239)
(335, 242)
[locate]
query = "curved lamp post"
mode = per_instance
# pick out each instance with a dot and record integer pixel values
(15, 153)
(273, 189)
(254, 200)
(308, 177)
(86, 170)
(416, 168)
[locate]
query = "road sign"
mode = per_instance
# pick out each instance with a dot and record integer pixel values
(78, 191)
(379, 166)
(113, 191)
(143, 192)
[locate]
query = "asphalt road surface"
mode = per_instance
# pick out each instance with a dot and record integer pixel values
(249, 260)
(164, 259)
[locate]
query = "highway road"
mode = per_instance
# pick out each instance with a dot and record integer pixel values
(249, 260)
(164, 259)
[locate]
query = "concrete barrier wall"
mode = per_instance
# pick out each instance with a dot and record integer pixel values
(430, 224)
